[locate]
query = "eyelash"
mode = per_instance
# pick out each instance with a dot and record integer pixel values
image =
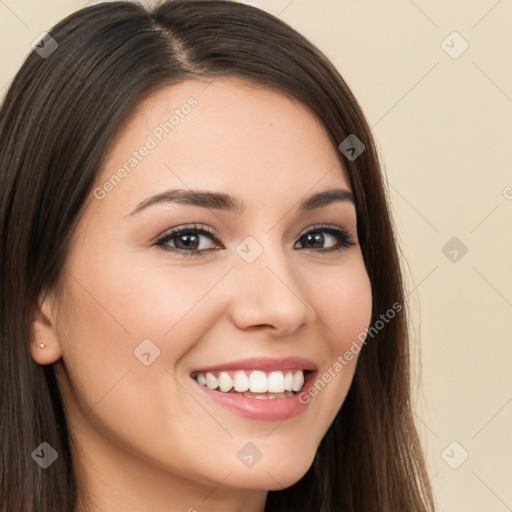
(344, 238)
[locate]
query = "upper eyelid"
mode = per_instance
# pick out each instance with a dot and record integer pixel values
(197, 227)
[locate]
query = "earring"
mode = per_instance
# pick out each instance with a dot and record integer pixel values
(42, 345)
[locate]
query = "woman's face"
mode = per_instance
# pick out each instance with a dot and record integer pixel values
(274, 289)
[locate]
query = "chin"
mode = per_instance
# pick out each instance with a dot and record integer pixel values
(276, 474)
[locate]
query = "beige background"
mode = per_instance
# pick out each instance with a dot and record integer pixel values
(443, 128)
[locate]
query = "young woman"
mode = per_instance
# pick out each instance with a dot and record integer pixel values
(201, 300)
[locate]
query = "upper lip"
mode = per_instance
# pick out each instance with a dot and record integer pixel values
(262, 363)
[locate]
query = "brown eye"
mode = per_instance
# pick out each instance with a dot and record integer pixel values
(315, 238)
(187, 241)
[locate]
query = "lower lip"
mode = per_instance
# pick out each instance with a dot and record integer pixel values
(266, 409)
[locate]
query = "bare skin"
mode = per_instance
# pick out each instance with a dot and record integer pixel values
(145, 437)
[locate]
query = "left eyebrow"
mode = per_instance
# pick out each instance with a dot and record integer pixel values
(326, 197)
(220, 201)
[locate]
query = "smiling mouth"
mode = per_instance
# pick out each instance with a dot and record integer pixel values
(256, 384)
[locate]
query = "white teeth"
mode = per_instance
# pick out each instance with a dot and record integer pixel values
(288, 381)
(258, 382)
(225, 382)
(277, 384)
(298, 381)
(211, 381)
(240, 382)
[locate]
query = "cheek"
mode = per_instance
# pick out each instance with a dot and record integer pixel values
(106, 386)
(112, 311)
(159, 299)
(125, 300)
(343, 303)
(344, 307)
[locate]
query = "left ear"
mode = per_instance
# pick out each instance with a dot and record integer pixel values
(45, 344)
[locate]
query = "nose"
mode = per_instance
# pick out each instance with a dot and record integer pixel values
(270, 292)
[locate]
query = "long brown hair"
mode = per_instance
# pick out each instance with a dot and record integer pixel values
(56, 122)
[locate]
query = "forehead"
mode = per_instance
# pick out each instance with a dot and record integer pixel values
(226, 135)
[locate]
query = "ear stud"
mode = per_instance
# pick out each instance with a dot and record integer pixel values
(42, 345)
